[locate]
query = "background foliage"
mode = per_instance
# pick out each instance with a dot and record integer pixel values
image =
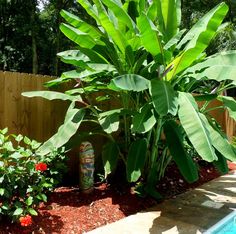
(19, 18)
(30, 36)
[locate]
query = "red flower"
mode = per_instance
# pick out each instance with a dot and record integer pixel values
(41, 166)
(25, 220)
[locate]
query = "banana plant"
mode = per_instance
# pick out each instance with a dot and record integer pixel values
(137, 56)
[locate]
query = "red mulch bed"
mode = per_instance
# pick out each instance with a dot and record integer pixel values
(70, 211)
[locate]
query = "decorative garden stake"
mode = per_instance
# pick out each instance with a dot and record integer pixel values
(86, 167)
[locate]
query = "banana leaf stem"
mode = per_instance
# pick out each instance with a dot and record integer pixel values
(125, 100)
(152, 177)
(203, 108)
(213, 108)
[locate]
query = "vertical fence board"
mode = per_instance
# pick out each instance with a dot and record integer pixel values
(10, 102)
(230, 126)
(2, 97)
(25, 106)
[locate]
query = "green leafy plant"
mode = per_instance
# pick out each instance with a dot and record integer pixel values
(137, 57)
(25, 176)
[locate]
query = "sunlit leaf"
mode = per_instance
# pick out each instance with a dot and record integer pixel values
(131, 82)
(70, 126)
(194, 127)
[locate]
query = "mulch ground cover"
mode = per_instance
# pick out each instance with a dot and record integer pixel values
(70, 211)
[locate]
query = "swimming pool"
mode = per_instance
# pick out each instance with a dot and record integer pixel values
(227, 225)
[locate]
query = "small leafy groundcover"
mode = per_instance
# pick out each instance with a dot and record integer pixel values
(25, 176)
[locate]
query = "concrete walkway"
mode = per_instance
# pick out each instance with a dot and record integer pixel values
(189, 213)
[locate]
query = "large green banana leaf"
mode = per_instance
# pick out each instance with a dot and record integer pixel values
(87, 29)
(74, 57)
(110, 123)
(217, 67)
(94, 69)
(77, 36)
(221, 144)
(129, 56)
(230, 104)
(120, 13)
(109, 120)
(109, 24)
(141, 5)
(150, 36)
(136, 159)
(144, 120)
(110, 154)
(81, 25)
(86, 42)
(70, 126)
(174, 40)
(174, 140)
(52, 95)
(164, 97)
(154, 12)
(95, 54)
(74, 54)
(171, 12)
(89, 9)
(194, 127)
(131, 82)
(200, 37)
(200, 26)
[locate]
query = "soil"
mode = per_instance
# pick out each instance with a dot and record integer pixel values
(70, 211)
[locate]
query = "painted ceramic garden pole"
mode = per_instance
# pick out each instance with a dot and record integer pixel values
(86, 167)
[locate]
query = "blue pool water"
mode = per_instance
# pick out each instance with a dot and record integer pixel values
(225, 226)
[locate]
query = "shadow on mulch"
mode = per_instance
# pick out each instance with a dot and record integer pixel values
(128, 203)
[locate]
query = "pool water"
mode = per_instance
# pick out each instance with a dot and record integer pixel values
(225, 226)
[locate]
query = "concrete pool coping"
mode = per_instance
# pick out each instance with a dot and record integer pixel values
(222, 225)
(192, 212)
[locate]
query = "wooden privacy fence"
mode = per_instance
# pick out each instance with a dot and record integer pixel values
(39, 118)
(36, 118)
(230, 126)
(222, 117)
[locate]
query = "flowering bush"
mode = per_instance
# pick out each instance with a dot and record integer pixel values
(25, 220)
(25, 176)
(41, 166)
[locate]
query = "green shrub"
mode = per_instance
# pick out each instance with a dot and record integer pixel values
(25, 177)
